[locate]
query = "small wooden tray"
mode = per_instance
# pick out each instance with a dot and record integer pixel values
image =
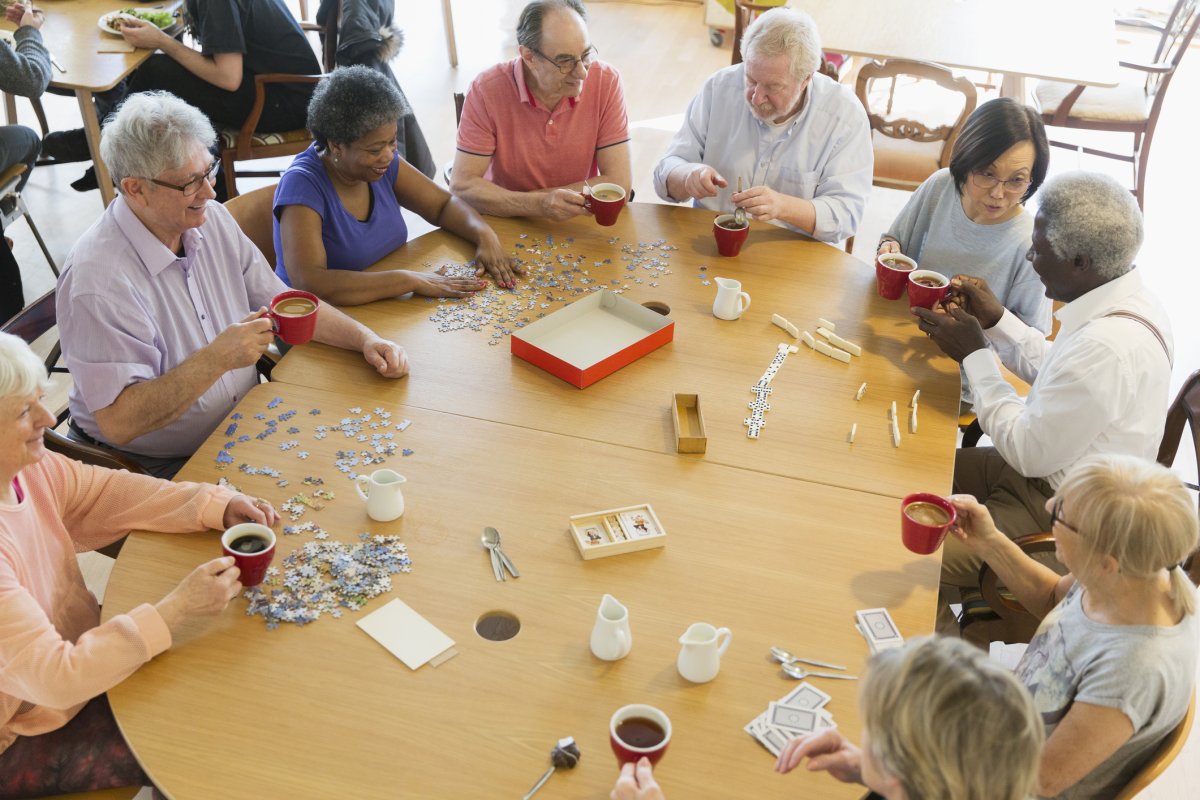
(617, 530)
(690, 436)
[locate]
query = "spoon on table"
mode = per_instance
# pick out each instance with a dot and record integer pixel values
(784, 657)
(739, 213)
(491, 543)
(491, 540)
(799, 673)
(565, 755)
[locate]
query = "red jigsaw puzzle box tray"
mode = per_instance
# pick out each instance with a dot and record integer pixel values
(592, 338)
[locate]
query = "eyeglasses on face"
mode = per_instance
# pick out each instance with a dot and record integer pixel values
(566, 64)
(1056, 516)
(190, 188)
(988, 181)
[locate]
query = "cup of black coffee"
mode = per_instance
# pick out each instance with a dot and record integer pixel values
(637, 731)
(252, 547)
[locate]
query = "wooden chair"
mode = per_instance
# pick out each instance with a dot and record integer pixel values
(13, 208)
(253, 213)
(991, 613)
(459, 99)
(1131, 107)
(745, 12)
(1163, 756)
(1185, 409)
(908, 151)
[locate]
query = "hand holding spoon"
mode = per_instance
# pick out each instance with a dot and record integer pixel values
(739, 213)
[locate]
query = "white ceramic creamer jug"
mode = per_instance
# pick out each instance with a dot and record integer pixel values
(701, 648)
(385, 501)
(611, 639)
(729, 303)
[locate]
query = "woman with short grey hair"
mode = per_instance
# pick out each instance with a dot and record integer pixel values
(338, 206)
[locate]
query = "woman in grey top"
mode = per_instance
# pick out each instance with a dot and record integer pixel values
(970, 219)
(1113, 663)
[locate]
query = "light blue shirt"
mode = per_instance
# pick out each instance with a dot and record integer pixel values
(824, 155)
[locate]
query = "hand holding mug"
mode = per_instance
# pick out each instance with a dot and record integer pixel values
(887, 246)
(562, 204)
(974, 526)
(976, 298)
(636, 782)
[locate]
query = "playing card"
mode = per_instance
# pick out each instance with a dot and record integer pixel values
(877, 626)
(800, 720)
(805, 696)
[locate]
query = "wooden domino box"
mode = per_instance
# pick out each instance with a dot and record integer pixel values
(690, 436)
(599, 534)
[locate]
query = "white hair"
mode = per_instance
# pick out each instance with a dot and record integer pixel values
(1090, 214)
(151, 133)
(785, 31)
(21, 371)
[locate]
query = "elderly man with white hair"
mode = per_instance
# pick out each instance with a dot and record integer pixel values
(161, 303)
(799, 140)
(1100, 388)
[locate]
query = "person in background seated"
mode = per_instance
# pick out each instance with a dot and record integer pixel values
(801, 140)
(1113, 663)
(57, 660)
(338, 206)
(940, 722)
(534, 128)
(161, 301)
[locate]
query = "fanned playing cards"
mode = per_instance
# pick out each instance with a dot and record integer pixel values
(407, 635)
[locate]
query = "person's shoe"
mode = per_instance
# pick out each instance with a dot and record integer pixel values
(66, 146)
(87, 182)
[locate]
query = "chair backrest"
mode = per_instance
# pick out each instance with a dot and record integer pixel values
(910, 129)
(1162, 758)
(459, 99)
(1018, 625)
(1185, 410)
(744, 12)
(253, 214)
(35, 321)
(1174, 32)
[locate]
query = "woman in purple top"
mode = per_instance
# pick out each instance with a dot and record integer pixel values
(337, 207)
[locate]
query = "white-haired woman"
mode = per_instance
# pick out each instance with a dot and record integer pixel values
(940, 722)
(338, 206)
(1113, 664)
(57, 733)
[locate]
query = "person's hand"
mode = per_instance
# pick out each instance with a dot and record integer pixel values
(243, 343)
(827, 751)
(763, 204)
(438, 284)
(388, 358)
(205, 592)
(701, 180)
(562, 204)
(491, 258)
(249, 509)
(637, 783)
(955, 331)
(974, 296)
(143, 34)
(973, 526)
(888, 246)
(22, 15)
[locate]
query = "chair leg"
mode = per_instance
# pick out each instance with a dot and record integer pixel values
(850, 245)
(37, 235)
(40, 112)
(227, 161)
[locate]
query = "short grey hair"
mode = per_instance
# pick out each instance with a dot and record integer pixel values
(1090, 214)
(21, 371)
(785, 32)
(529, 26)
(151, 133)
(350, 102)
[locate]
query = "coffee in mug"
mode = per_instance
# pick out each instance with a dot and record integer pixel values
(641, 732)
(249, 544)
(252, 546)
(607, 195)
(294, 316)
(924, 521)
(891, 273)
(294, 307)
(927, 513)
(637, 731)
(926, 288)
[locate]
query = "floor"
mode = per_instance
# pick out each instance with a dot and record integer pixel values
(663, 51)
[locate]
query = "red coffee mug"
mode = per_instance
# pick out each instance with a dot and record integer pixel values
(627, 752)
(294, 328)
(729, 238)
(253, 565)
(927, 296)
(924, 527)
(891, 271)
(606, 211)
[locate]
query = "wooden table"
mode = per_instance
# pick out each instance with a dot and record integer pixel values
(1073, 41)
(72, 34)
(812, 407)
(236, 711)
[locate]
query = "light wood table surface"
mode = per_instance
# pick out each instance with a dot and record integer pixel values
(236, 711)
(812, 406)
(1062, 40)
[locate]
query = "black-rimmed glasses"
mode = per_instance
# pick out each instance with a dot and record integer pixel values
(566, 64)
(1056, 517)
(190, 188)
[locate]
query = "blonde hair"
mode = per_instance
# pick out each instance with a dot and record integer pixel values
(1137, 512)
(948, 724)
(21, 371)
(785, 32)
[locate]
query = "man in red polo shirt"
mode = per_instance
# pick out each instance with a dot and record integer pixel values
(534, 128)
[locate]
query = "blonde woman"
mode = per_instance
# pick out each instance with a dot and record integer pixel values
(940, 722)
(1113, 664)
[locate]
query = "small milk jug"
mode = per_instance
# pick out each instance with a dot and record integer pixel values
(611, 639)
(385, 502)
(701, 648)
(731, 300)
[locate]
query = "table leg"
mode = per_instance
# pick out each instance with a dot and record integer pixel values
(448, 19)
(91, 127)
(10, 109)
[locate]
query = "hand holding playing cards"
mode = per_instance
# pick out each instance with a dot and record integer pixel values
(637, 783)
(827, 751)
(974, 526)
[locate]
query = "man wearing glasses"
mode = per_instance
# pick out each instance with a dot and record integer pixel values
(161, 302)
(533, 129)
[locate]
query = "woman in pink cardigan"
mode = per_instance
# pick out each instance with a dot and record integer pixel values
(57, 733)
